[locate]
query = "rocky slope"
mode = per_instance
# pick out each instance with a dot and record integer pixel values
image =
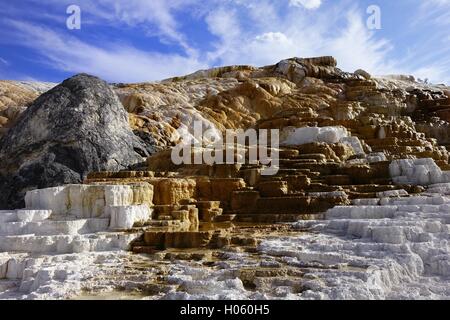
(294, 92)
(359, 208)
(15, 97)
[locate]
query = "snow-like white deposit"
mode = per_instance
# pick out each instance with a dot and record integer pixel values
(397, 250)
(298, 136)
(440, 188)
(417, 171)
(24, 276)
(395, 246)
(390, 247)
(84, 201)
(64, 236)
(125, 217)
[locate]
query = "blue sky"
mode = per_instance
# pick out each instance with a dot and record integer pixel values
(145, 40)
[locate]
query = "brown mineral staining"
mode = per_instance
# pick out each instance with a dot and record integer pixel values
(393, 118)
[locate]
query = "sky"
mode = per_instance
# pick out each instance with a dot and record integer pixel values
(148, 40)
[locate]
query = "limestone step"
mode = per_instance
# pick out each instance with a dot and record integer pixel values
(120, 174)
(186, 239)
(275, 218)
(144, 249)
(295, 163)
(164, 217)
(328, 168)
(337, 180)
(165, 223)
(315, 203)
(53, 227)
(60, 244)
(313, 156)
(361, 195)
(23, 215)
(321, 187)
(208, 204)
(273, 188)
(225, 218)
(291, 205)
(209, 215)
(369, 188)
(294, 172)
(7, 216)
(288, 153)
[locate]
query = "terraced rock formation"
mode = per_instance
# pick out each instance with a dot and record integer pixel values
(358, 207)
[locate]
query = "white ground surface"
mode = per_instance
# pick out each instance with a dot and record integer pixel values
(395, 248)
(391, 247)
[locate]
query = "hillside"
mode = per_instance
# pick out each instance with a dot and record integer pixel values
(358, 207)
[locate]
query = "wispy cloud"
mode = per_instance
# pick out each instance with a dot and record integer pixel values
(4, 62)
(300, 34)
(339, 30)
(435, 12)
(158, 13)
(308, 4)
(154, 17)
(116, 62)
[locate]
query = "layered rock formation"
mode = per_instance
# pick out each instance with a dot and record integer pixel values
(362, 171)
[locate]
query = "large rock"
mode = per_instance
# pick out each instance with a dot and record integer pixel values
(77, 127)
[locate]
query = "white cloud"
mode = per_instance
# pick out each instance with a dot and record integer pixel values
(435, 12)
(308, 4)
(225, 25)
(356, 47)
(300, 34)
(339, 31)
(156, 12)
(155, 17)
(118, 63)
(3, 61)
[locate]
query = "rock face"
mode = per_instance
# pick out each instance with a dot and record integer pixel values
(77, 127)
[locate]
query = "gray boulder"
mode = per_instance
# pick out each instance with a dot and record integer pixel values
(363, 73)
(77, 127)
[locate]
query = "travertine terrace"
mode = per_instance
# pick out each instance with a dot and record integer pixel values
(359, 207)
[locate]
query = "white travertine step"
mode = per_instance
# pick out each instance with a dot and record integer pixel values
(25, 215)
(388, 230)
(388, 212)
(396, 248)
(7, 216)
(431, 199)
(88, 201)
(54, 227)
(417, 171)
(125, 217)
(59, 244)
